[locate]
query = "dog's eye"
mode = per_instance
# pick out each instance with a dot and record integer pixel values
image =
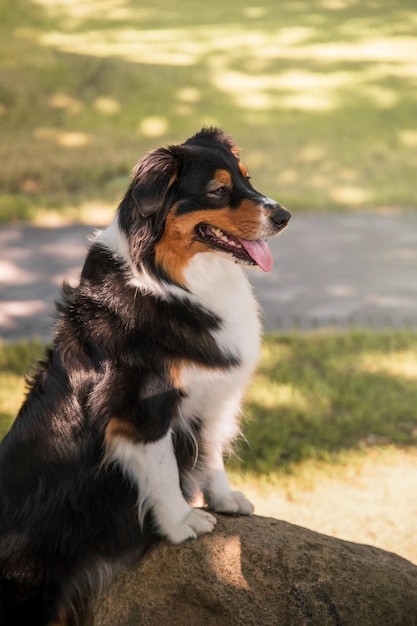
(220, 191)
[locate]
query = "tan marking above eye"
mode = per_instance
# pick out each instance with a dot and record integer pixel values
(221, 178)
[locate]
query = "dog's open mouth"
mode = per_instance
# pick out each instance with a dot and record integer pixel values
(248, 251)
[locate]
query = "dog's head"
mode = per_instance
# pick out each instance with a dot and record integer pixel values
(197, 198)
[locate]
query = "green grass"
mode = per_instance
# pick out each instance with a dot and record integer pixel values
(323, 397)
(320, 397)
(16, 361)
(320, 95)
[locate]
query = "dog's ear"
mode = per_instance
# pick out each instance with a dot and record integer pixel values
(153, 177)
(208, 135)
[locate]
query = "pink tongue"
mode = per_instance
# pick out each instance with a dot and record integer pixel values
(259, 251)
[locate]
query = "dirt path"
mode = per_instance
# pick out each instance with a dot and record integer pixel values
(374, 504)
(340, 269)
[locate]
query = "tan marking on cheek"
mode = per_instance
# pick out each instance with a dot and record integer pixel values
(250, 219)
(178, 244)
(243, 221)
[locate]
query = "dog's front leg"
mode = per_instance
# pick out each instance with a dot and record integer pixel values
(153, 468)
(217, 492)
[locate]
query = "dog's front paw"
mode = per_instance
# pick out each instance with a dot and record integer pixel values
(197, 522)
(232, 502)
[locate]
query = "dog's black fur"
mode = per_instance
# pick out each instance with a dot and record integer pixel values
(68, 511)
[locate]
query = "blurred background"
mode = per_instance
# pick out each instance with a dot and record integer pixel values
(321, 96)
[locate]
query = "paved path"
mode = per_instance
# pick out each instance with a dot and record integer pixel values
(345, 270)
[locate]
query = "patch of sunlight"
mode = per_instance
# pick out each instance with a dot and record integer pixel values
(224, 48)
(310, 90)
(298, 89)
(392, 50)
(381, 71)
(302, 80)
(254, 13)
(347, 174)
(395, 364)
(107, 106)
(311, 153)
(349, 194)
(273, 395)
(11, 274)
(90, 213)
(381, 96)
(225, 559)
(153, 126)
(408, 138)
(12, 392)
(191, 46)
(65, 102)
(253, 100)
(273, 352)
(153, 47)
(108, 10)
(307, 102)
(98, 214)
(283, 38)
(73, 139)
(190, 95)
(288, 177)
(319, 180)
(335, 5)
(63, 138)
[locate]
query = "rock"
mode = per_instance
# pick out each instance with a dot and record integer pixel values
(263, 572)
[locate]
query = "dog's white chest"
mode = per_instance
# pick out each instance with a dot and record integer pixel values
(223, 288)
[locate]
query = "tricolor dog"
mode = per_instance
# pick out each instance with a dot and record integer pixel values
(126, 420)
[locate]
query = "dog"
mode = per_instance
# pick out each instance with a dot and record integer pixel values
(128, 416)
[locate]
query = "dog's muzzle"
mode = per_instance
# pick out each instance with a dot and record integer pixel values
(279, 215)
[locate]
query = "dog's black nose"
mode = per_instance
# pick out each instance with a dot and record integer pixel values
(279, 215)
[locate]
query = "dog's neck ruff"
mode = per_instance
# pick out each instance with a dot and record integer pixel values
(213, 282)
(205, 275)
(114, 240)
